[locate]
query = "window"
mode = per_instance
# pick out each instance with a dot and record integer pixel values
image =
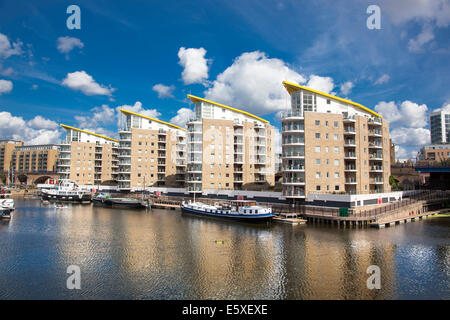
(336, 124)
(336, 149)
(212, 175)
(317, 122)
(317, 175)
(336, 137)
(326, 123)
(317, 188)
(336, 188)
(328, 101)
(317, 149)
(317, 135)
(326, 136)
(318, 162)
(336, 162)
(336, 174)
(326, 149)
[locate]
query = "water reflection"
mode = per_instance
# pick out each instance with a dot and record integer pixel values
(161, 254)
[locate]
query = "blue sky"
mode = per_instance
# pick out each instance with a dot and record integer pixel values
(147, 55)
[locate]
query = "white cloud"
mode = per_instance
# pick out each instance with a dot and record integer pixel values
(402, 11)
(182, 117)
(6, 86)
(425, 36)
(347, 87)
(17, 128)
(388, 110)
(6, 72)
(81, 81)
(195, 65)
(413, 115)
(410, 136)
(383, 79)
(7, 50)
(163, 91)
(445, 107)
(98, 116)
(39, 122)
(277, 140)
(67, 44)
(409, 114)
(324, 84)
(254, 82)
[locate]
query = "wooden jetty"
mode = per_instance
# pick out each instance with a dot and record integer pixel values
(289, 218)
(393, 221)
(160, 204)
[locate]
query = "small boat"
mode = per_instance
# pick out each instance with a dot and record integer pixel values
(105, 200)
(45, 202)
(60, 206)
(67, 191)
(7, 204)
(5, 214)
(239, 210)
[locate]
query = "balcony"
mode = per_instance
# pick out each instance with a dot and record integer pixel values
(375, 133)
(294, 142)
(376, 181)
(375, 122)
(292, 115)
(376, 169)
(376, 157)
(349, 131)
(293, 168)
(350, 168)
(294, 181)
(350, 181)
(293, 154)
(294, 194)
(349, 143)
(350, 155)
(349, 119)
(375, 145)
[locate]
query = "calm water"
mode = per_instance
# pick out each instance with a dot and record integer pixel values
(161, 254)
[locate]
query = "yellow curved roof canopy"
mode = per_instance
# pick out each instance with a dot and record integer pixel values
(92, 133)
(153, 119)
(291, 87)
(195, 99)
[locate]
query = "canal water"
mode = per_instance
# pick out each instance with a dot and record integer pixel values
(161, 254)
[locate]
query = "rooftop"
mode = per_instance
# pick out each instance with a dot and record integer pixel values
(195, 99)
(153, 119)
(291, 87)
(92, 133)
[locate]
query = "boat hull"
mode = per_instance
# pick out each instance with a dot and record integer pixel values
(5, 214)
(261, 218)
(115, 203)
(85, 198)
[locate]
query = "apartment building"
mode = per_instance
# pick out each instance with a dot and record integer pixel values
(440, 127)
(87, 158)
(35, 158)
(228, 149)
(6, 151)
(332, 145)
(435, 152)
(152, 153)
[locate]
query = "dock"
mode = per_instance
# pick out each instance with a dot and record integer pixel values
(171, 205)
(406, 219)
(289, 218)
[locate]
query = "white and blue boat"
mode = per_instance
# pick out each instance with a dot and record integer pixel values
(239, 210)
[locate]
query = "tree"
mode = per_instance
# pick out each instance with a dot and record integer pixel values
(394, 182)
(2, 177)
